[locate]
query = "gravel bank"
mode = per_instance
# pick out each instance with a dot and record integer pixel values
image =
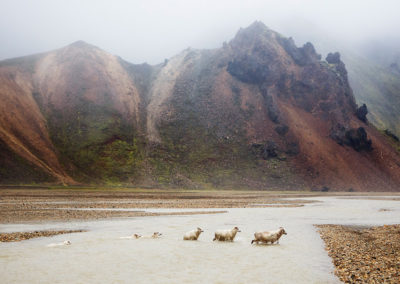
(364, 255)
(38, 205)
(20, 236)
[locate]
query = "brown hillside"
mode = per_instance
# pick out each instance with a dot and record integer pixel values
(22, 125)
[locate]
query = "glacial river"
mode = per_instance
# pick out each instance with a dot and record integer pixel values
(100, 256)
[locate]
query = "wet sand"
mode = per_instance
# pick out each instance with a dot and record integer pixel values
(364, 255)
(38, 205)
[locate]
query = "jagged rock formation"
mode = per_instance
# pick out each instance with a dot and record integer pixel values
(257, 113)
(362, 112)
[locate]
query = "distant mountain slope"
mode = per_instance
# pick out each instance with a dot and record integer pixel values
(257, 113)
(379, 88)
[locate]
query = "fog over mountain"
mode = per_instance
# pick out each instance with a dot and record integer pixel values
(150, 31)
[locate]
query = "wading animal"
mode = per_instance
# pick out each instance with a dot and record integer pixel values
(155, 235)
(64, 243)
(226, 235)
(193, 235)
(269, 237)
(134, 236)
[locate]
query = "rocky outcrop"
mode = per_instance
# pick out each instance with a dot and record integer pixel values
(301, 56)
(357, 138)
(362, 112)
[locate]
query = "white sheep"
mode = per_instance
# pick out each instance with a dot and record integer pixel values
(134, 236)
(226, 235)
(155, 235)
(64, 243)
(266, 237)
(193, 235)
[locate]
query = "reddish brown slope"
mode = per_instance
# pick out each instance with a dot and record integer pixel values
(22, 126)
(80, 89)
(324, 162)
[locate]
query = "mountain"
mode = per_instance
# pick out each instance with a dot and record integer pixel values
(378, 86)
(258, 112)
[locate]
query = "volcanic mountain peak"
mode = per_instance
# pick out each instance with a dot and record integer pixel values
(81, 47)
(83, 72)
(256, 29)
(81, 44)
(255, 33)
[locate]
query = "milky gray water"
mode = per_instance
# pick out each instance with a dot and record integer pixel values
(100, 256)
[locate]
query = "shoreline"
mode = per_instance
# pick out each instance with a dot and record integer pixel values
(363, 254)
(21, 236)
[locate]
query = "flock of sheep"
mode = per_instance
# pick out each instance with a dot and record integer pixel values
(224, 235)
(220, 235)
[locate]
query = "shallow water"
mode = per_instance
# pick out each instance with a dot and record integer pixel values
(100, 256)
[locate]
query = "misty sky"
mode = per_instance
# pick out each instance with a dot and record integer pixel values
(150, 30)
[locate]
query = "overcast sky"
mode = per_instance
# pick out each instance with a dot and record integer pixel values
(150, 30)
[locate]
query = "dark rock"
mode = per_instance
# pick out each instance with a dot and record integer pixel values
(265, 151)
(270, 150)
(273, 113)
(282, 130)
(333, 58)
(248, 69)
(292, 149)
(391, 135)
(310, 53)
(256, 148)
(302, 56)
(290, 47)
(357, 138)
(325, 189)
(322, 189)
(272, 108)
(361, 113)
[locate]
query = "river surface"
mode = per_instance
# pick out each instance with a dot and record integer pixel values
(101, 256)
